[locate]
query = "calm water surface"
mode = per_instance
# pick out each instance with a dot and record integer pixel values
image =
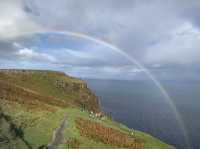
(140, 105)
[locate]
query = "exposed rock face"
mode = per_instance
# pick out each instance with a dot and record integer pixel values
(85, 97)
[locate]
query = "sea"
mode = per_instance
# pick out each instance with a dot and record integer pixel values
(140, 105)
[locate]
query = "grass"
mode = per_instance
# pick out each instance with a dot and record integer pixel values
(35, 105)
(72, 131)
(54, 85)
(39, 125)
(73, 143)
(107, 135)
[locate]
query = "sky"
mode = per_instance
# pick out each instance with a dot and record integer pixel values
(163, 36)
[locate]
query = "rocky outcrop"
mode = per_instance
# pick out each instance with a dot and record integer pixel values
(85, 97)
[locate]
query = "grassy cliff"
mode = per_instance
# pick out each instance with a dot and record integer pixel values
(33, 103)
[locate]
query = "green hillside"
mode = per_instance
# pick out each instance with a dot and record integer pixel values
(33, 104)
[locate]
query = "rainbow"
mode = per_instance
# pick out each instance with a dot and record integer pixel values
(135, 62)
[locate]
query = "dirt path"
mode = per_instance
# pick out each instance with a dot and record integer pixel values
(57, 136)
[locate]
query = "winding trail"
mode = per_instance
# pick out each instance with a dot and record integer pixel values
(57, 136)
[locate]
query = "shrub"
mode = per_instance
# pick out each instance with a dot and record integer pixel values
(107, 135)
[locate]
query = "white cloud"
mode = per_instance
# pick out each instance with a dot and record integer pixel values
(33, 55)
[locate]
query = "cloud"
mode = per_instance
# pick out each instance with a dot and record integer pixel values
(90, 54)
(7, 49)
(30, 54)
(14, 21)
(133, 25)
(105, 72)
(155, 33)
(182, 47)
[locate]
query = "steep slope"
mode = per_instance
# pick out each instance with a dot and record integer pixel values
(10, 135)
(57, 88)
(33, 103)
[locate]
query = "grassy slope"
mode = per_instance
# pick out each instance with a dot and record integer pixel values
(71, 131)
(38, 124)
(43, 82)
